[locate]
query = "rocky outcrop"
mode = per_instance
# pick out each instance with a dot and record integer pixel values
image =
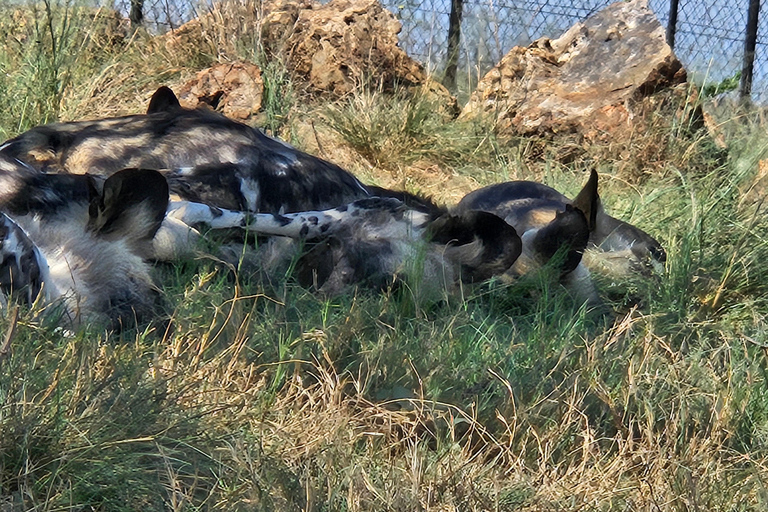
(328, 49)
(344, 43)
(234, 89)
(589, 80)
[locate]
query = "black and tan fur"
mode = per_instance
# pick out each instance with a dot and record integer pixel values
(537, 212)
(376, 242)
(205, 157)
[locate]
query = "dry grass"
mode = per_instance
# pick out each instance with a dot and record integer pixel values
(512, 398)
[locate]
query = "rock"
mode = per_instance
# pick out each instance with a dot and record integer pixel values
(226, 27)
(344, 43)
(331, 48)
(278, 19)
(234, 89)
(589, 80)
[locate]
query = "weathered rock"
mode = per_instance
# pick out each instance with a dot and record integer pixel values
(278, 18)
(234, 89)
(222, 31)
(345, 43)
(588, 80)
(330, 48)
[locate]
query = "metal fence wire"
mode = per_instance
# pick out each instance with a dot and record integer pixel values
(708, 35)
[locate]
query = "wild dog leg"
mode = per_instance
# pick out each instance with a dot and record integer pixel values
(310, 224)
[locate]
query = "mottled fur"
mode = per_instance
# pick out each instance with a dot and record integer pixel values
(205, 156)
(79, 242)
(376, 241)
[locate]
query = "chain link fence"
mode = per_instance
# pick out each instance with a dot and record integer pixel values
(708, 35)
(160, 16)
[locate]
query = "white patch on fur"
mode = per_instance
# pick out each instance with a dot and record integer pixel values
(251, 192)
(197, 213)
(173, 240)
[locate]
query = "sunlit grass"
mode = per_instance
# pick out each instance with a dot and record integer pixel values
(255, 396)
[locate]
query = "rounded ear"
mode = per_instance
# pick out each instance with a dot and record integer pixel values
(132, 205)
(569, 231)
(164, 100)
(481, 242)
(588, 200)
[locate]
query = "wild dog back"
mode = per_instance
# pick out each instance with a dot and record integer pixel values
(208, 157)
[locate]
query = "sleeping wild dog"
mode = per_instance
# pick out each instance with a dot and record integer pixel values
(377, 242)
(610, 246)
(76, 244)
(206, 158)
(218, 169)
(209, 159)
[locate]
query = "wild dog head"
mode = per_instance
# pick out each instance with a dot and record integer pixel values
(548, 221)
(620, 247)
(528, 205)
(78, 249)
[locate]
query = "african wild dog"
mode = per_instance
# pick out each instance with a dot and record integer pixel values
(205, 157)
(609, 246)
(76, 244)
(376, 242)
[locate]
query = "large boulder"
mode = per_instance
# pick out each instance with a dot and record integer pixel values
(344, 43)
(235, 89)
(227, 27)
(589, 80)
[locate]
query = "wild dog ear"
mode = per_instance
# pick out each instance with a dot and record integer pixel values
(588, 201)
(569, 231)
(131, 206)
(481, 242)
(164, 100)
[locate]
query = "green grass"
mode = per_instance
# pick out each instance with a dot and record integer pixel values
(510, 397)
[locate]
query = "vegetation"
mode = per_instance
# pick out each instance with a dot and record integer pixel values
(256, 397)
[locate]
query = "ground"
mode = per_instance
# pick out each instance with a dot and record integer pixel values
(250, 396)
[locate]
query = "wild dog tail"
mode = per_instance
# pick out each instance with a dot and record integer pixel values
(305, 225)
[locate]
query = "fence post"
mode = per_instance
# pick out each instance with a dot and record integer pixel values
(137, 13)
(672, 25)
(750, 41)
(454, 38)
